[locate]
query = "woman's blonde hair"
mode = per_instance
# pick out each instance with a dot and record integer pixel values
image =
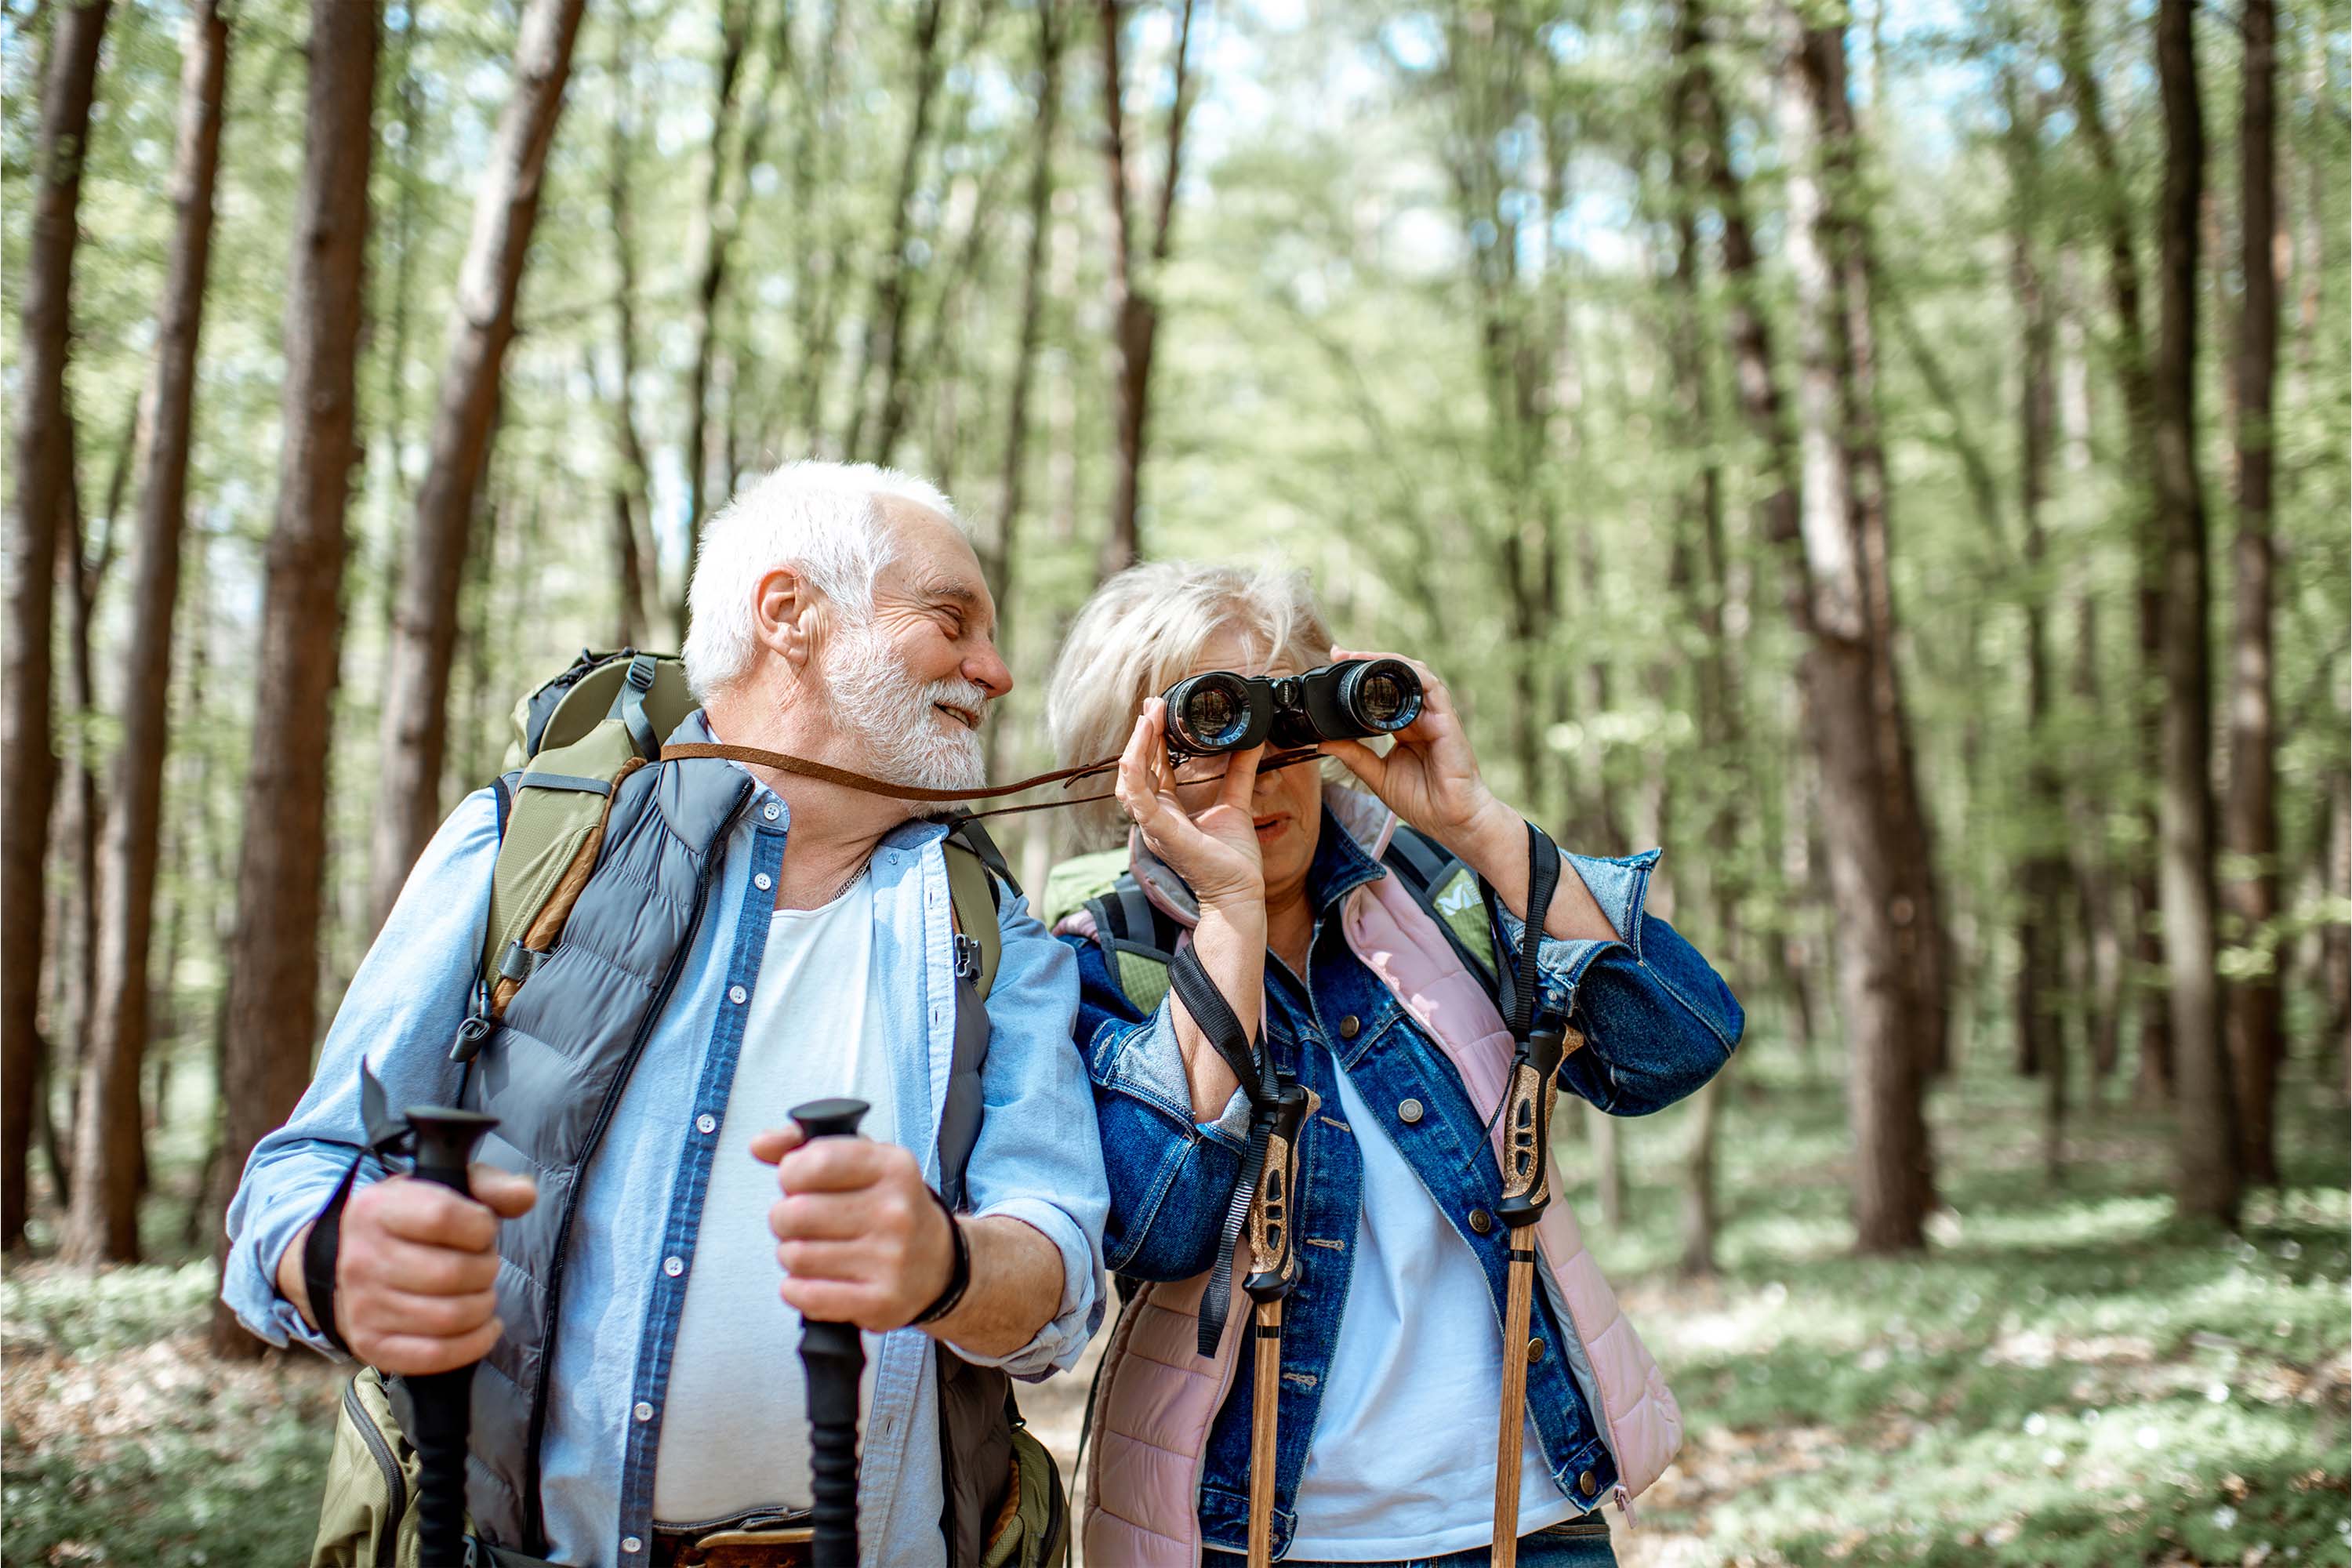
(1145, 628)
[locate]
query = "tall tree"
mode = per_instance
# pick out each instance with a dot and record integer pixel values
(43, 460)
(103, 1223)
(2207, 1180)
(885, 355)
(272, 1010)
(2128, 349)
(425, 630)
(1846, 686)
(2250, 827)
(1134, 289)
(632, 500)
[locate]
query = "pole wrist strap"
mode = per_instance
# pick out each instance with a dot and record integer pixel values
(1193, 986)
(319, 1251)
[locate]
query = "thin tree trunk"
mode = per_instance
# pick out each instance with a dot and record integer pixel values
(1893, 1165)
(631, 499)
(271, 1020)
(886, 317)
(425, 632)
(711, 276)
(1135, 309)
(110, 1136)
(2251, 822)
(2335, 936)
(2207, 1180)
(819, 279)
(42, 456)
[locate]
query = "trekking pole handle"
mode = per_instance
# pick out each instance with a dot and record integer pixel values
(444, 1400)
(1527, 1129)
(833, 1358)
(1272, 1255)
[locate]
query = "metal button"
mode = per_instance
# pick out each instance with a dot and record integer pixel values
(1349, 1026)
(631, 1544)
(737, 995)
(1408, 1109)
(706, 1122)
(673, 1266)
(1535, 1350)
(1481, 1221)
(771, 811)
(1585, 1483)
(644, 1411)
(763, 881)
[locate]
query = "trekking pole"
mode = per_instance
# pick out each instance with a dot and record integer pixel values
(1526, 1188)
(833, 1358)
(444, 1400)
(1274, 1269)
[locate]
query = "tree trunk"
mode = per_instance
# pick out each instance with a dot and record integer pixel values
(104, 1225)
(1135, 309)
(271, 1020)
(2208, 1177)
(1846, 688)
(631, 497)
(886, 318)
(2250, 822)
(425, 632)
(45, 481)
(2335, 936)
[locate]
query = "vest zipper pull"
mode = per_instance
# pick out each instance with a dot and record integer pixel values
(470, 1036)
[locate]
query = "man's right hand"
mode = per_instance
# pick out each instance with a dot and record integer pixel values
(415, 1270)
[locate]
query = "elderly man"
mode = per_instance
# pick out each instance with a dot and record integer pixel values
(643, 1391)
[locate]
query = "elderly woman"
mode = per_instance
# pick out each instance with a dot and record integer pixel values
(1352, 926)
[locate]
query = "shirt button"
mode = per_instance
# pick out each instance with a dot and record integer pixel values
(1584, 1483)
(706, 1122)
(632, 1545)
(763, 881)
(770, 811)
(1347, 1026)
(644, 1411)
(1535, 1350)
(736, 994)
(1409, 1110)
(1481, 1221)
(673, 1266)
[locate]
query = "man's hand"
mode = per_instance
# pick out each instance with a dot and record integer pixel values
(415, 1270)
(859, 1235)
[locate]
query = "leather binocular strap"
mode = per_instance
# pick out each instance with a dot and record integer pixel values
(847, 779)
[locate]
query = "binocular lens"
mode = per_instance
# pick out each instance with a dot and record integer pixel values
(1382, 695)
(1210, 712)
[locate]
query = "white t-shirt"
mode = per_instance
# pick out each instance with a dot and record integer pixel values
(1402, 1464)
(735, 1435)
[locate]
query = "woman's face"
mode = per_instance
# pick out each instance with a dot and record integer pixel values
(1287, 804)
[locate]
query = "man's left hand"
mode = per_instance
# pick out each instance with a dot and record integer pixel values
(860, 1236)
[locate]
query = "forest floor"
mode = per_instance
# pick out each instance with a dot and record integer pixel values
(2063, 1378)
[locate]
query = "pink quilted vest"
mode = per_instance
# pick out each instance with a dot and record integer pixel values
(1158, 1397)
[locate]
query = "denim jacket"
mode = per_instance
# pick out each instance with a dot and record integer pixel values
(1036, 1158)
(1658, 1024)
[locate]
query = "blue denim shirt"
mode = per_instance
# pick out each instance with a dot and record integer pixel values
(1658, 1023)
(1037, 1159)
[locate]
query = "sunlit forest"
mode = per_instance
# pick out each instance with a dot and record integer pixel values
(1896, 455)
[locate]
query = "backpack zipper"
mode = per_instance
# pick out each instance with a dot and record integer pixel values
(534, 1523)
(396, 1481)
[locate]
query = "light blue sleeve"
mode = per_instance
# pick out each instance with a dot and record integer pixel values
(400, 1012)
(1038, 1157)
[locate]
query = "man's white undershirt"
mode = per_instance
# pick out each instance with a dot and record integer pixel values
(735, 1435)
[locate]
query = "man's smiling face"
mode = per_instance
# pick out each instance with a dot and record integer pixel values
(913, 683)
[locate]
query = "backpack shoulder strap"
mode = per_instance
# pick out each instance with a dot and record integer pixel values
(1138, 943)
(1450, 891)
(972, 893)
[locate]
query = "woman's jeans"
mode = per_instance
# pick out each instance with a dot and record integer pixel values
(1574, 1544)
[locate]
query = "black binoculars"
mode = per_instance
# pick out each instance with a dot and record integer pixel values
(1223, 711)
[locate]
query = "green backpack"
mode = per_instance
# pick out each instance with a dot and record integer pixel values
(575, 739)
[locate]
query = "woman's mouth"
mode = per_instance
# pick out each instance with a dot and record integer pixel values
(1269, 826)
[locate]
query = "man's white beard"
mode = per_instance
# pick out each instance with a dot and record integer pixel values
(907, 739)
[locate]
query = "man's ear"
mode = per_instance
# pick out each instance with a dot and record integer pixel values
(784, 615)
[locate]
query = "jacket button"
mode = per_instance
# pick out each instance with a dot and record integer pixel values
(1409, 1110)
(1535, 1350)
(1349, 1026)
(1481, 1221)
(1584, 1483)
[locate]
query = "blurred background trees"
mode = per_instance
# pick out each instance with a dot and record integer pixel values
(1895, 458)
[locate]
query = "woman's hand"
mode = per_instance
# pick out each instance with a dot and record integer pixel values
(1430, 777)
(1216, 851)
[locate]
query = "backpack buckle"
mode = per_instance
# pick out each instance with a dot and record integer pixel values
(967, 958)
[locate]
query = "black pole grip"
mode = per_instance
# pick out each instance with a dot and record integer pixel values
(443, 1401)
(833, 1360)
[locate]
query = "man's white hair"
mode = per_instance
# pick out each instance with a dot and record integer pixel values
(822, 519)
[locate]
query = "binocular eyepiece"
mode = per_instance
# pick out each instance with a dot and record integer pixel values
(1222, 711)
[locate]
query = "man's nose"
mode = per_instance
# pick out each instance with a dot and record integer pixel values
(989, 669)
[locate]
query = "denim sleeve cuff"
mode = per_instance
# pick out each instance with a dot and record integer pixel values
(1621, 888)
(1078, 1313)
(1146, 1063)
(249, 1283)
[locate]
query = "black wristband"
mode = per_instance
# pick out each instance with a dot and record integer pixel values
(958, 1272)
(319, 1251)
